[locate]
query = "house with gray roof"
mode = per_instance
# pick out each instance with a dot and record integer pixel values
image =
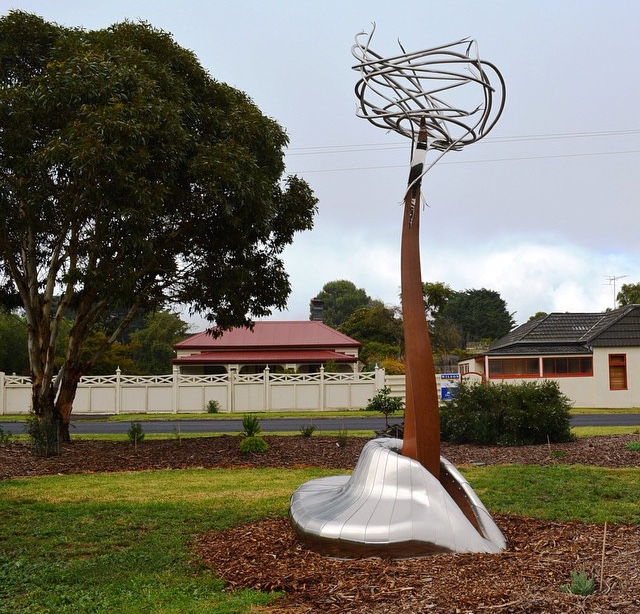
(594, 357)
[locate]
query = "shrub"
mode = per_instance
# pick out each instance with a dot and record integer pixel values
(253, 445)
(5, 438)
(44, 435)
(135, 433)
(307, 430)
(633, 446)
(581, 584)
(213, 407)
(507, 414)
(251, 426)
(343, 438)
(385, 403)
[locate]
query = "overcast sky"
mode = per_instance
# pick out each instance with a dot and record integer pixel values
(544, 210)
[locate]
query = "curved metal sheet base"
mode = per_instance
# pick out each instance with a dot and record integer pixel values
(391, 506)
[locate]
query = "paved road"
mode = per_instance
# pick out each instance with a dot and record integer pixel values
(234, 425)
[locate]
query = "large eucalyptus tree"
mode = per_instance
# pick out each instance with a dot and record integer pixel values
(131, 179)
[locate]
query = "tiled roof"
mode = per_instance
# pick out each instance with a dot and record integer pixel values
(575, 332)
(276, 334)
(265, 357)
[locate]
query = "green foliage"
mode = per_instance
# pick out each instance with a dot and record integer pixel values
(131, 179)
(44, 434)
(5, 437)
(478, 314)
(507, 414)
(581, 584)
(152, 345)
(633, 446)
(13, 344)
(253, 445)
(343, 438)
(135, 433)
(340, 299)
(629, 295)
(383, 402)
(251, 425)
(306, 430)
(213, 407)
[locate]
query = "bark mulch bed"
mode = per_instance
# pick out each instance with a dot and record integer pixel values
(266, 555)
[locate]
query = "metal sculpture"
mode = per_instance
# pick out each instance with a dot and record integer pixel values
(403, 498)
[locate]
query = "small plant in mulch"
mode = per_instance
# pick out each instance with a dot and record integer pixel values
(5, 438)
(253, 445)
(343, 438)
(44, 435)
(633, 446)
(135, 434)
(581, 584)
(251, 426)
(307, 430)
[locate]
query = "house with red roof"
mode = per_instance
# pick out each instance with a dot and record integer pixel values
(285, 347)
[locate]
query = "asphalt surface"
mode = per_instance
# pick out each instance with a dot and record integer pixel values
(95, 426)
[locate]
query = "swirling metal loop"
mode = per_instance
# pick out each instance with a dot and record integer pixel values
(397, 92)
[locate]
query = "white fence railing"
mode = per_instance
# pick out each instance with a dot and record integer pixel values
(233, 392)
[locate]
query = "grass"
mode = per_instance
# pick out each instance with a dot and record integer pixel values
(559, 492)
(121, 542)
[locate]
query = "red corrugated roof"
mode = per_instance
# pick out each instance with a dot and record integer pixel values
(298, 334)
(265, 357)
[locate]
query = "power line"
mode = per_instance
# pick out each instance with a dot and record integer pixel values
(336, 149)
(442, 163)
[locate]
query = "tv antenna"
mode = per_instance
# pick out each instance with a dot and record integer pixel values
(612, 279)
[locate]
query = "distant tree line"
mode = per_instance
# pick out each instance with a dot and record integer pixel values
(455, 319)
(145, 348)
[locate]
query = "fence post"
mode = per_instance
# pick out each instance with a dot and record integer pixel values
(265, 402)
(1, 393)
(118, 392)
(322, 385)
(175, 372)
(379, 378)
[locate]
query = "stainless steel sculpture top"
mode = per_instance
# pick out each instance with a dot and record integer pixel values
(459, 96)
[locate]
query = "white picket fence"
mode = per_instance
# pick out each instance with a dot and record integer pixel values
(233, 392)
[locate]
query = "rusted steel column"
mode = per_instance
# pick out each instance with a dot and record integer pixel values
(422, 418)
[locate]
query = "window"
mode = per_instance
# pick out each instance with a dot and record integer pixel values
(571, 366)
(514, 367)
(617, 371)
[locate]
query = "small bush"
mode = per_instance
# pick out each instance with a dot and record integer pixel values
(135, 433)
(251, 426)
(213, 407)
(253, 445)
(385, 403)
(581, 584)
(507, 414)
(633, 446)
(5, 438)
(44, 434)
(307, 430)
(343, 438)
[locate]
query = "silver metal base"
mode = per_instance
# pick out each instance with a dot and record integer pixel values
(391, 506)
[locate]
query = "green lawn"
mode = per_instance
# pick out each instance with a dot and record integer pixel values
(108, 543)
